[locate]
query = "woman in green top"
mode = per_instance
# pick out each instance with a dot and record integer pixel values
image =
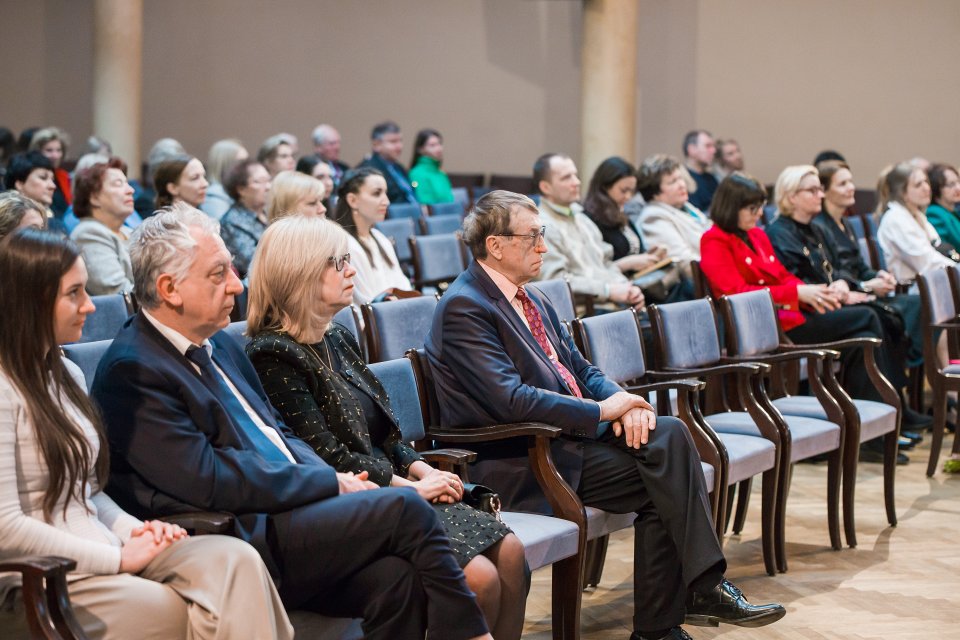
(429, 181)
(945, 194)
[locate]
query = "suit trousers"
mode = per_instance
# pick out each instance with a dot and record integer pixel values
(675, 545)
(381, 555)
(198, 588)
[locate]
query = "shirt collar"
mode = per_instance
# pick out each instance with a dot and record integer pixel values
(570, 211)
(179, 341)
(507, 288)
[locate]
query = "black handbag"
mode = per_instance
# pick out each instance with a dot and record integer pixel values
(948, 250)
(482, 498)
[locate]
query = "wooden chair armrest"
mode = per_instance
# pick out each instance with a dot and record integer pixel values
(950, 325)
(494, 432)
(685, 384)
(776, 358)
(45, 598)
(203, 522)
(836, 344)
(452, 460)
(751, 367)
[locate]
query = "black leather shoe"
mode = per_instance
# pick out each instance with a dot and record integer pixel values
(872, 455)
(905, 444)
(726, 604)
(915, 421)
(912, 436)
(677, 633)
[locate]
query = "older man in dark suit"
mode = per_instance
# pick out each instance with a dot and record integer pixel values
(499, 354)
(190, 428)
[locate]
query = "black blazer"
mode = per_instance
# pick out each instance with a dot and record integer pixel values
(803, 250)
(174, 447)
(489, 369)
(303, 390)
(395, 191)
(849, 264)
(615, 237)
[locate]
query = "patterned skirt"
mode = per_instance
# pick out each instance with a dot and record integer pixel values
(470, 530)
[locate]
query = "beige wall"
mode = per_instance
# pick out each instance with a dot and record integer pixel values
(500, 78)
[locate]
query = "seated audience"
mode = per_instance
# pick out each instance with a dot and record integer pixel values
(699, 151)
(429, 181)
(313, 374)
(294, 193)
(326, 147)
(669, 220)
(736, 256)
(248, 183)
(909, 242)
(31, 174)
(52, 143)
(133, 577)
(805, 251)
(103, 200)
(180, 179)
(317, 168)
(729, 158)
(18, 211)
(577, 251)
(173, 387)
(222, 156)
(276, 154)
(361, 203)
(145, 197)
(386, 142)
(614, 451)
(945, 193)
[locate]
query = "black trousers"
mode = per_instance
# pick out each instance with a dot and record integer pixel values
(379, 555)
(851, 322)
(675, 546)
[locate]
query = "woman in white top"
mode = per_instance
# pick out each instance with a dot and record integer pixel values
(134, 579)
(361, 203)
(909, 242)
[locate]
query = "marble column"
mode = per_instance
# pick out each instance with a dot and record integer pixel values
(609, 82)
(117, 77)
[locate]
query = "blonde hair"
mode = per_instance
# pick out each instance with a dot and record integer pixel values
(287, 189)
(223, 155)
(286, 274)
(788, 183)
(46, 135)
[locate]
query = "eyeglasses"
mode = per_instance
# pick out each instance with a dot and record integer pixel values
(813, 190)
(754, 209)
(535, 237)
(339, 261)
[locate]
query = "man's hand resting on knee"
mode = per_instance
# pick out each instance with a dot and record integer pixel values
(630, 415)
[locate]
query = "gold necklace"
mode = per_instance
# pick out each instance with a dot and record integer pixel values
(329, 361)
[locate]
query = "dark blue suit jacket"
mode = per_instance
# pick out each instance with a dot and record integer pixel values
(174, 448)
(489, 369)
(395, 191)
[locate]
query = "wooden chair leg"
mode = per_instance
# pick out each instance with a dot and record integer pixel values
(939, 426)
(890, 451)
(768, 508)
(833, 498)
(851, 458)
(567, 575)
(743, 502)
(728, 508)
(915, 379)
(596, 555)
(780, 524)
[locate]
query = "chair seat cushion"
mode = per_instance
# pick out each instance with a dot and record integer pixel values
(952, 369)
(708, 474)
(545, 539)
(876, 418)
(748, 455)
(808, 435)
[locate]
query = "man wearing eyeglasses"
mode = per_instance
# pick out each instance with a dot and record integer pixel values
(577, 251)
(499, 354)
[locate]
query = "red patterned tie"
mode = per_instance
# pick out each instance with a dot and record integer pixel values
(535, 321)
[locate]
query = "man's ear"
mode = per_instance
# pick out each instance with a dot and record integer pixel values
(494, 247)
(545, 189)
(168, 290)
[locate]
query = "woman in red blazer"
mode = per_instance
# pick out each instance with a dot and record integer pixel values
(736, 256)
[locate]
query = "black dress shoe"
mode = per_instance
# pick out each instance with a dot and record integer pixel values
(871, 454)
(677, 633)
(915, 421)
(726, 604)
(912, 436)
(905, 444)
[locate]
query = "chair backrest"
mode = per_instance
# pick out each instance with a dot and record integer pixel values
(448, 223)
(404, 210)
(87, 355)
(855, 223)
(750, 320)
(461, 195)
(613, 343)
(236, 331)
(769, 214)
(349, 317)
(937, 295)
(239, 311)
(701, 286)
(685, 334)
(517, 184)
(427, 390)
(558, 292)
(395, 326)
(399, 230)
(454, 208)
(398, 380)
(478, 191)
(436, 258)
(103, 324)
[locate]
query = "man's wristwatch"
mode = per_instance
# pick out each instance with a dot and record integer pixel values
(866, 288)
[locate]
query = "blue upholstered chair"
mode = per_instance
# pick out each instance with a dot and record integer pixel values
(399, 231)
(103, 324)
(560, 295)
(455, 208)
(86, 355)
(393, 327)
(753, 333)
(446, 223)
(349, 317)
(561, 540)
(437, 260)
(940, 312)
(405, 210)
(687, 340)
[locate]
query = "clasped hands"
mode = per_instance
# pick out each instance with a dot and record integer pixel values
(630, 415)
(146, 543)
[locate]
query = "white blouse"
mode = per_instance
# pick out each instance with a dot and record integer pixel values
(90, 532)
(908, 243)
(374, 275)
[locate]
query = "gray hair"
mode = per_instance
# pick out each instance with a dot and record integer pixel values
(322, 133)
(491, 216)
(85, 162)
(268, 150)
(162, 244)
